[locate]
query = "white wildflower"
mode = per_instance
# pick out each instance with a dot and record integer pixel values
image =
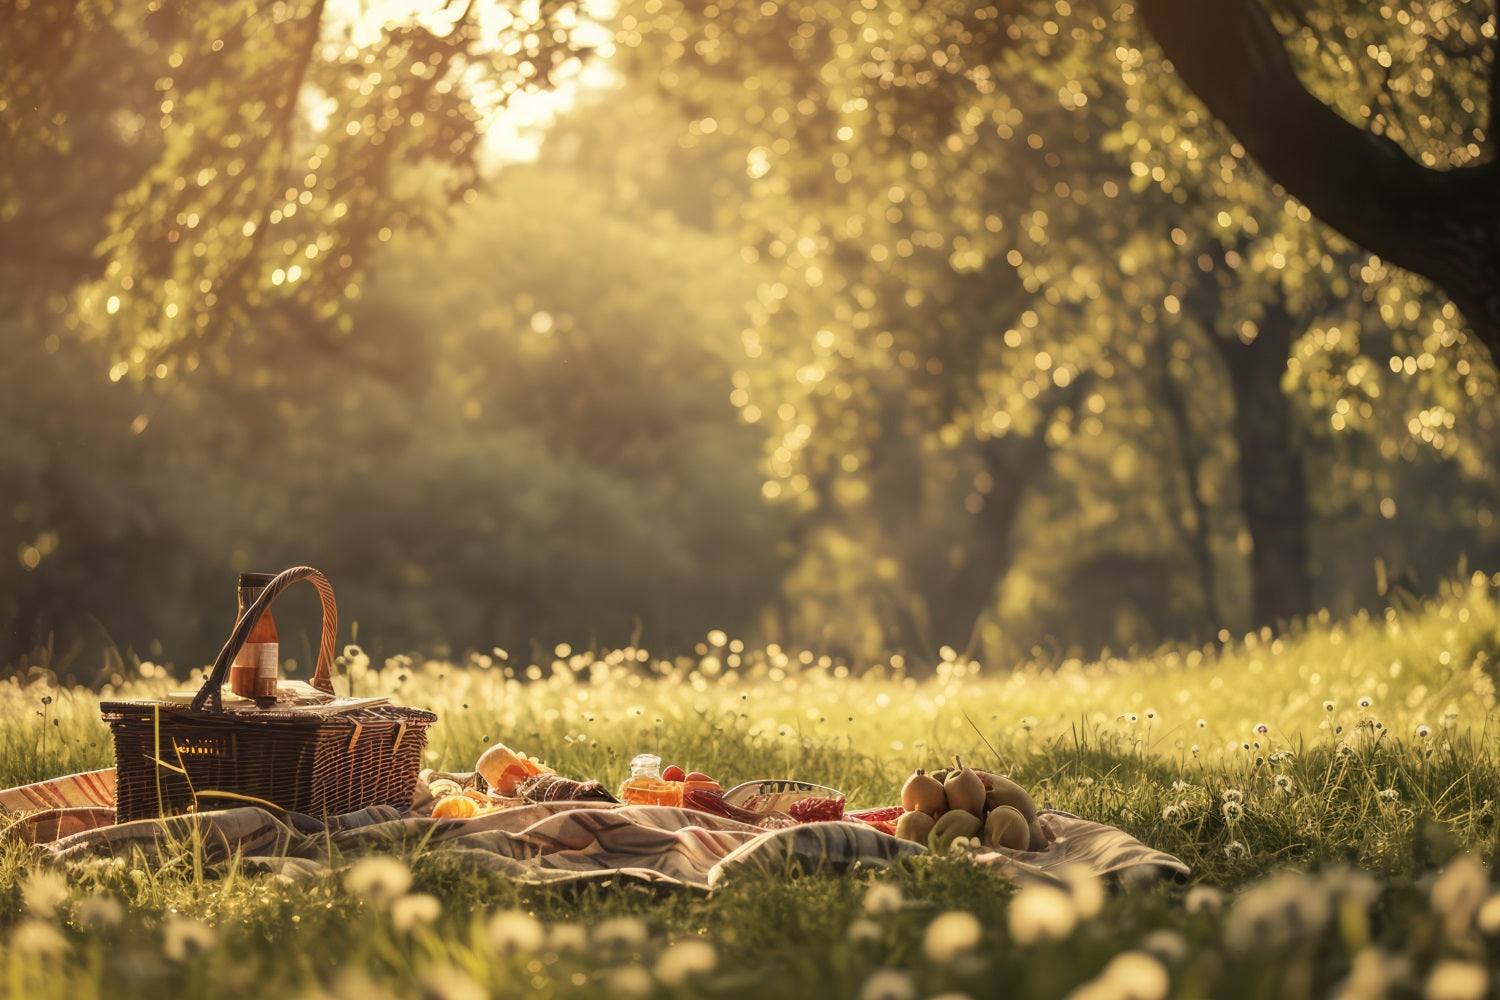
(380, 878)
(882, 898)
(41, 938)
(416, 910)
(1454, 979)
(1458, 892)
(628, 932)
(684, 959)
(951, 934)
(1166, 944)
(95, 913)
(1488, 918)
(1086, 888)
(43, 892)
(1041, 912)
(512, 931)
(888, 984)
(1203, 899)
(565, 937)
(1137, 975)
(184, 937)
(630, 981)
(1281, 909)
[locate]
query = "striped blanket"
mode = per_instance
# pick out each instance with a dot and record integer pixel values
(73, 817)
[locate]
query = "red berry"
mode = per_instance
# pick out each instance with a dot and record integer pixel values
(672, 773)
(698, 776)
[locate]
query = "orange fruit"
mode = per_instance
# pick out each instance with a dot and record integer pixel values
(455, 807)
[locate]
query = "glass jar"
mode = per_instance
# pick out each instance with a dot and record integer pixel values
(645, 786)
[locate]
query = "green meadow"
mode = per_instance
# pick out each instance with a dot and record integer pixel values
(1333, 790)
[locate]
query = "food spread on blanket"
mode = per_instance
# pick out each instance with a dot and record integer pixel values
(937, 807)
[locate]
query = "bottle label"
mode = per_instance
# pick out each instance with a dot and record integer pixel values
(265, 656)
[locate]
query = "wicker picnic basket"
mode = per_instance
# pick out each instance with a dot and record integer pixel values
(322, 756)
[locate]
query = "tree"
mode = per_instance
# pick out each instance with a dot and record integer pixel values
(1427, 199)
(279, 137)
(967, 204)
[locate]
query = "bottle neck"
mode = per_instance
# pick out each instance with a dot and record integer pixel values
(247, 596)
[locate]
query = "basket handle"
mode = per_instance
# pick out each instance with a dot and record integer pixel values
(210, 697)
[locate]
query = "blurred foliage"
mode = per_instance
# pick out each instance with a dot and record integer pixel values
(981, 208)
(853, 327)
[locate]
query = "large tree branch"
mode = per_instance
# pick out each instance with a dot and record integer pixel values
(1443, 224)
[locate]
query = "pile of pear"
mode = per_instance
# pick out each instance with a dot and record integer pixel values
(942, 806)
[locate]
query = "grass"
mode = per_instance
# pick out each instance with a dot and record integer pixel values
(1333, 789)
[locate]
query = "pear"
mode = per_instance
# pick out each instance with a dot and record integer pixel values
(1038, 837)
(1004, 792)
(1006, 827)
(923, 793)
(914, 826)
(954, 823)
(964, 789)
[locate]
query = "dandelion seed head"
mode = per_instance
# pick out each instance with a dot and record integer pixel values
(863, 930)
(1167, 945)
(1276, 911)
(1086, 888)
(35, 936)
(380, 878)
(622, 931)
(414, 911)
(567, 937)
(1365, 702)
(1458, 892)
(631, 981)
(1203, 899)
(888, 984)
(1283, 783)
(1457, 979)
(1137, 975)
(1236, 851)
(1041, 913)
(98, 912)
(514, 931)
(1232, 795)
(184, 937)
(883, 897)
(950, 934)
(685, 959)
(1233, 811)
(43, 892)
(1488, 917)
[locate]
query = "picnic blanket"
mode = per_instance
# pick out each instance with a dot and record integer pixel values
(72, 818)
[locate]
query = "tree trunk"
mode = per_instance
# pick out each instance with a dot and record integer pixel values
(959, 601)
(1198, 534)
(1273, 492)
(964, 593)
(1441, 224)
